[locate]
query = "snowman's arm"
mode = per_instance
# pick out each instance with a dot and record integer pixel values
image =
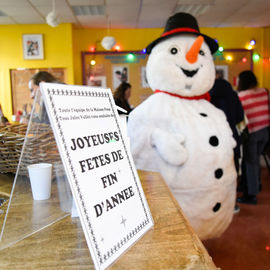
(169, 146)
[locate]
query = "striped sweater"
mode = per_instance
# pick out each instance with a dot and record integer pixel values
(256, 107)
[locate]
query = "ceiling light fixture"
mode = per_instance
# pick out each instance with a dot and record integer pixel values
(108, 41)
(52, 18)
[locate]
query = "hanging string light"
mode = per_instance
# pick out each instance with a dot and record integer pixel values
(256, 57)
(220, 49)
(252, 42)
(130, 56)
(229, 58)
(117, 48)
(92, 48)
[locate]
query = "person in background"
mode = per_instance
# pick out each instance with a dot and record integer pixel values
(36, 79)
(122, 95)
(124, 75)
(226, 99)
(256, 107)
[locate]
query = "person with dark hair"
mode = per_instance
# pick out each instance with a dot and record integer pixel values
(226, 99)
(122, 95)
(256, 107)
(36, 79)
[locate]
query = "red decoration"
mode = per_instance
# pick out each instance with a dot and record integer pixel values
(92, 48)
(179, 30)
(204, 96)
(117, 48)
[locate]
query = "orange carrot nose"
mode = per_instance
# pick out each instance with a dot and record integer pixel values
(192, 54)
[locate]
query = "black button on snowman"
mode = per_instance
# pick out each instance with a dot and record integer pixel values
(179, 133)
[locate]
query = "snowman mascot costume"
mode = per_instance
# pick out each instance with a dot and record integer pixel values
(179, 133)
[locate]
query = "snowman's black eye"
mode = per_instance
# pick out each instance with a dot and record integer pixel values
(174, 50)
(201, 52)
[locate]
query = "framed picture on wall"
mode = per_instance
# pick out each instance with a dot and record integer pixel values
(99, 81)
(222, 71)
(144, 78)
(115, 67)
(33, 46)
(120, 74)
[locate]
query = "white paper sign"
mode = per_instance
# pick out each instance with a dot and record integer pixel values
(107, 191)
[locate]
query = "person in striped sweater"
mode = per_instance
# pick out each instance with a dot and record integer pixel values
(255, 103)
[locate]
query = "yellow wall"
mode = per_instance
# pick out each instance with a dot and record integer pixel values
(266, 56)
(137, 39)
(57, 44)
(232, 38)
(129, 39)
(63, 46)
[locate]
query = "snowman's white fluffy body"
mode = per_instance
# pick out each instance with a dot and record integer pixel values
(188, 141)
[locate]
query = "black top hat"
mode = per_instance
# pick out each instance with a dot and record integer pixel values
(182, 23)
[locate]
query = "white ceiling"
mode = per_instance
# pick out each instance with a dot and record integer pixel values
(138, 13)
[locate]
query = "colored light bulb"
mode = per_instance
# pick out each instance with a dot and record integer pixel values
(92, 48)
(252, 42)
(221, 49)
(117, 48)
(130, 56)
(256, 57)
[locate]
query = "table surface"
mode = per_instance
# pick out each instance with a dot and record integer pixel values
(170, 244)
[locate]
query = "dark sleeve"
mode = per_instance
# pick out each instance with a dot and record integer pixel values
(123, 105)
(117, 102)
(239, 112)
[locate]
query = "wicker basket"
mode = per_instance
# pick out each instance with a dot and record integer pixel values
(11, 142)
(40, 147)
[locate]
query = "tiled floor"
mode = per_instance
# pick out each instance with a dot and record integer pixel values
(245, 245)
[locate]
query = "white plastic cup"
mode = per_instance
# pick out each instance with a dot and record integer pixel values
(40, 175)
